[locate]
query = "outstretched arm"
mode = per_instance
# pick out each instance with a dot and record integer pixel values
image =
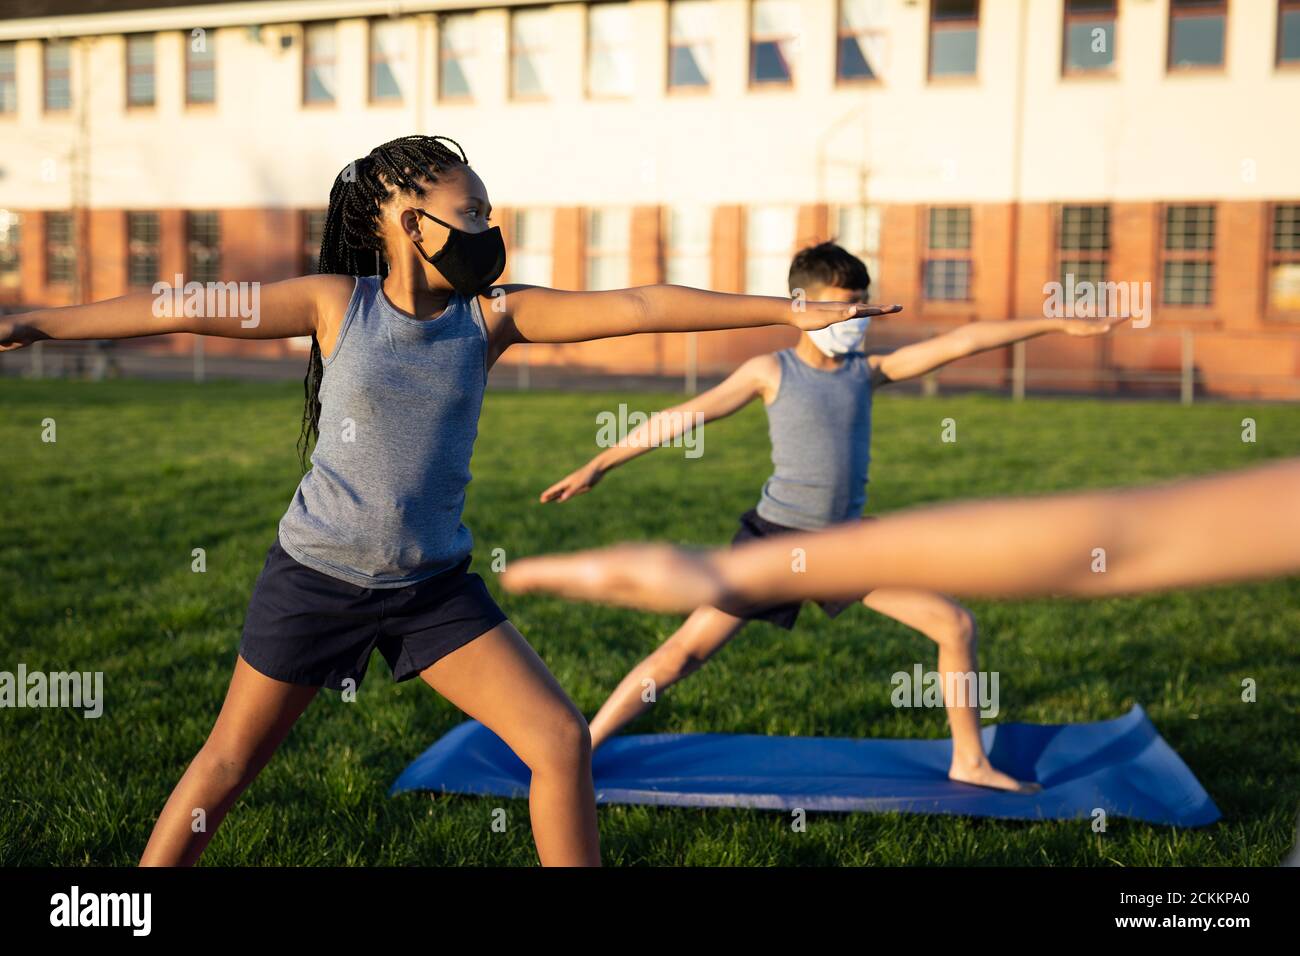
(1231, 527)
(753, 378)
(914, 360)
(257, 311)
(534, 314)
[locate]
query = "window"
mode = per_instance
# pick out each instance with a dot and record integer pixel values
(58, 75)
(947, 268)
(769, 243)
(141, 249)
(313, 230)
(387, 61)
(1284, 258)
(530, 37)
(857, 229)
(60, 249)
(456, 73)
(609, 232)
(203, 236)
(1196, 33)
(774, 32)
(531, 261)
(688, 246)
(1089, 36)
(200, 68)
(140, 83)
(690, 44)
(11, 234)
(1188, 255)
(860, 39)
(319, 57)
(1082, 248)
(609, 49)
(954, 37)
(8, 78)
(1288, 35)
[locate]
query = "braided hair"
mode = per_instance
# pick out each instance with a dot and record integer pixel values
(351, 243)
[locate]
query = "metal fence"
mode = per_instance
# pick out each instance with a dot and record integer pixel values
(1008, 370)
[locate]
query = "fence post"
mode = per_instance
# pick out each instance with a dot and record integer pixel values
(692, 364)
(1188, 378)
(1018, 371)
(523, 377)
(198, 360)
(930, 384)
(38, 360)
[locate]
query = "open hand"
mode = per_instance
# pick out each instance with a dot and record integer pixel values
(818, 315)
(14, 334)
(576, 483)
(1094, 326)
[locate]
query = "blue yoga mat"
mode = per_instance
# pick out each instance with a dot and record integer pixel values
(1122, 766)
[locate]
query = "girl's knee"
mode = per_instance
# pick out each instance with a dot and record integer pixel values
(561, 744)
(225, 766)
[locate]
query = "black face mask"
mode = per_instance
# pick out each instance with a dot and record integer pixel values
(470, 261)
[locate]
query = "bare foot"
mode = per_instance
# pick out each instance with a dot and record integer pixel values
(986, 775)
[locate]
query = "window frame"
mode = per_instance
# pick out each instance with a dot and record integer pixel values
(1209, 256)
(588, 248)
(1274, 258)
(963, 254)
(684, 89)
(13, 240)
(128, 216)
(1219, 8)
(589, 49)
(1282, 7)
(11, 77)
(1069, 19)
(841, 33)
(191, 216)
(934, 26)
(443, 95)
(210, 35)
(1104, 256)
(371, 61)
(48, 252)
(46, 73)
(309, 62)
(748, 254)
(519, 247)
(309, 250)
(133, 70)
(514, 49)
(668, 252)
(756, 85)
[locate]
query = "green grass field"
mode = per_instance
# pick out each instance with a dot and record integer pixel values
(95, 573)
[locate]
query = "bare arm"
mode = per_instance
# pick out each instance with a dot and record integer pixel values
(257, 311)
(534, 314)
(1237, 526)
(755, 377)
(914, 360)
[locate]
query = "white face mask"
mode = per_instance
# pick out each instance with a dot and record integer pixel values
(841, 337)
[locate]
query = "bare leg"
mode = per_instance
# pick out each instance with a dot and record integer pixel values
(698, 639)
(255, 718)
(952, 627)
(500, 681)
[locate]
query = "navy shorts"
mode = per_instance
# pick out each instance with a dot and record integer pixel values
(304, 627)
(753, 525)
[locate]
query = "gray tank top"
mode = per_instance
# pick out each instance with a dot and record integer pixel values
(400, 400)
(820, 426)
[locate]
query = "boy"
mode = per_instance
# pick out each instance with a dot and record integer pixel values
(818, 401)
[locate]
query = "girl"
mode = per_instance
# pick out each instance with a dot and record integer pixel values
(405, 325)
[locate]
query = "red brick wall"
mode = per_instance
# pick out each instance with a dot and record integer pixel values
(1013, 255)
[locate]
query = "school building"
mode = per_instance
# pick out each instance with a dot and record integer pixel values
(972, 151)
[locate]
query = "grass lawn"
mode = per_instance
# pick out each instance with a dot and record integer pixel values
(95, 573)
